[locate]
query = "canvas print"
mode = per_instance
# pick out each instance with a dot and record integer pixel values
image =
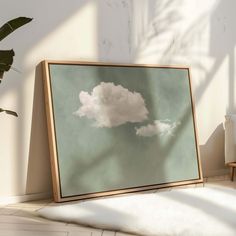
(119, 128)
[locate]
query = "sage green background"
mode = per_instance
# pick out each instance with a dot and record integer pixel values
(95, 159)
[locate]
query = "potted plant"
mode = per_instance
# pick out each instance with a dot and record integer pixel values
(6, 56)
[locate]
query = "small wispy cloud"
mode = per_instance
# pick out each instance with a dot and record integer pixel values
(111, 105)
(158, 127)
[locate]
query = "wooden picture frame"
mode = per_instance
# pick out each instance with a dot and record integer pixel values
(119, 128)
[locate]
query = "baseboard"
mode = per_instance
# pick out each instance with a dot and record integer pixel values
(24, 198)
(211, 173)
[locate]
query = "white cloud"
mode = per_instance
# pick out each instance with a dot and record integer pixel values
(164, 127)
(112, 105)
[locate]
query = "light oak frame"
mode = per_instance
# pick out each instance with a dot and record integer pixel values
(53, 146)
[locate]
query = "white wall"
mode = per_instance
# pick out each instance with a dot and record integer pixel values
(183, 32)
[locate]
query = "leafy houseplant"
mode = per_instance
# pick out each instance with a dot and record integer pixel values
(6, 56)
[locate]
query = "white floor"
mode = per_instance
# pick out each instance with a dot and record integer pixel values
(21, 220)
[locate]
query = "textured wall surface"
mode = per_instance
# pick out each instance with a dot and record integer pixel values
(182, 32)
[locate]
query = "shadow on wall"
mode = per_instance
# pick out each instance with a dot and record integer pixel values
(222, 44)
(38, 174)
(167, 45)
(114, 48)
(212, 153)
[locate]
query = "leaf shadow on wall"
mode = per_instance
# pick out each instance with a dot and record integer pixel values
(218, 20)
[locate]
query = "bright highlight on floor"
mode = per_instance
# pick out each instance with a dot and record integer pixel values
(191, 210)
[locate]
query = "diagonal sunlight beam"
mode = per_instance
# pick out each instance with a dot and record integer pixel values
(212, 207)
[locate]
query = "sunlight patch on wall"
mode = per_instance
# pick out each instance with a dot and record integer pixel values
(74, 39)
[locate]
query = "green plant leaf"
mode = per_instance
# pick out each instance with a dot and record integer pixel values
(1, 76)
(12, 25)
(6, 60)
(9, 112)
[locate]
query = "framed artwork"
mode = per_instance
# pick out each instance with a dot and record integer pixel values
(119, 128)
